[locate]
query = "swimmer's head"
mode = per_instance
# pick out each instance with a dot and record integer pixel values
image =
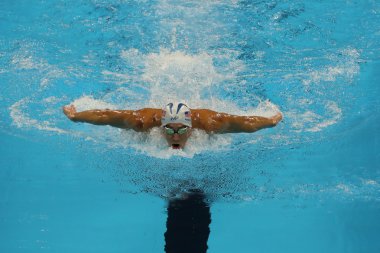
(176, 124)
(176, 113)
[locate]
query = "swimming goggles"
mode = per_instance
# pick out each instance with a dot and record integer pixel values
(171, 131)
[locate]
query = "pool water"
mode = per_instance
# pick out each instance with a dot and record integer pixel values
(311, 184)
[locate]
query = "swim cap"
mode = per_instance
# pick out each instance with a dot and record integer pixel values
(176, 113)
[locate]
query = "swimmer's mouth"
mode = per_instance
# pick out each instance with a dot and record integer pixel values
(176, 146)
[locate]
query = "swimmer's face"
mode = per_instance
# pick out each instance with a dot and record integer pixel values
(176, 134)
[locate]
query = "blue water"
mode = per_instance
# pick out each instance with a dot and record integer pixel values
(311, 184)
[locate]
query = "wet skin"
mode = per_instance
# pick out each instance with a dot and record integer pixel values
(176, 141)
(143, 120)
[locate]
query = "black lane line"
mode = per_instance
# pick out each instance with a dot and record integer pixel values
(188, 224)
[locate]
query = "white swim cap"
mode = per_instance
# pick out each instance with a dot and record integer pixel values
(176, 113)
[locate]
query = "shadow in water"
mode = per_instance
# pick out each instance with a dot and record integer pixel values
(188, 223)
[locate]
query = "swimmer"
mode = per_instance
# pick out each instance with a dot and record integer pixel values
(176, 121)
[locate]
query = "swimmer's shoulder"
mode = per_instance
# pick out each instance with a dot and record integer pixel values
(206, 119)
(148, 118)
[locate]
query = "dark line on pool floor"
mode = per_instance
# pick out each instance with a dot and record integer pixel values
(188, 224)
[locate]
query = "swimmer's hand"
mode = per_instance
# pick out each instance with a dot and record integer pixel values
(276, 118)
(69, 111)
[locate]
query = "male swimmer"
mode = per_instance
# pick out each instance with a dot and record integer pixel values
(176, 121)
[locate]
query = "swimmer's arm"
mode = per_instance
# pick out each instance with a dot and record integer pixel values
(215, 122)
(138, 120)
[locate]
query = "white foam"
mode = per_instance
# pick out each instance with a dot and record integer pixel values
(27, 62)
(347, 67)
(153, 143)
(89, 103)
(309, 121)
(179, 76)
(24, 61)
(335, 114)
(169, 76)
(21, 119)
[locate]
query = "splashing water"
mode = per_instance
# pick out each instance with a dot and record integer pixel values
(231, 56)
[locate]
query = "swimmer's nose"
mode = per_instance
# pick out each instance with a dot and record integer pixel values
(176, 137)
